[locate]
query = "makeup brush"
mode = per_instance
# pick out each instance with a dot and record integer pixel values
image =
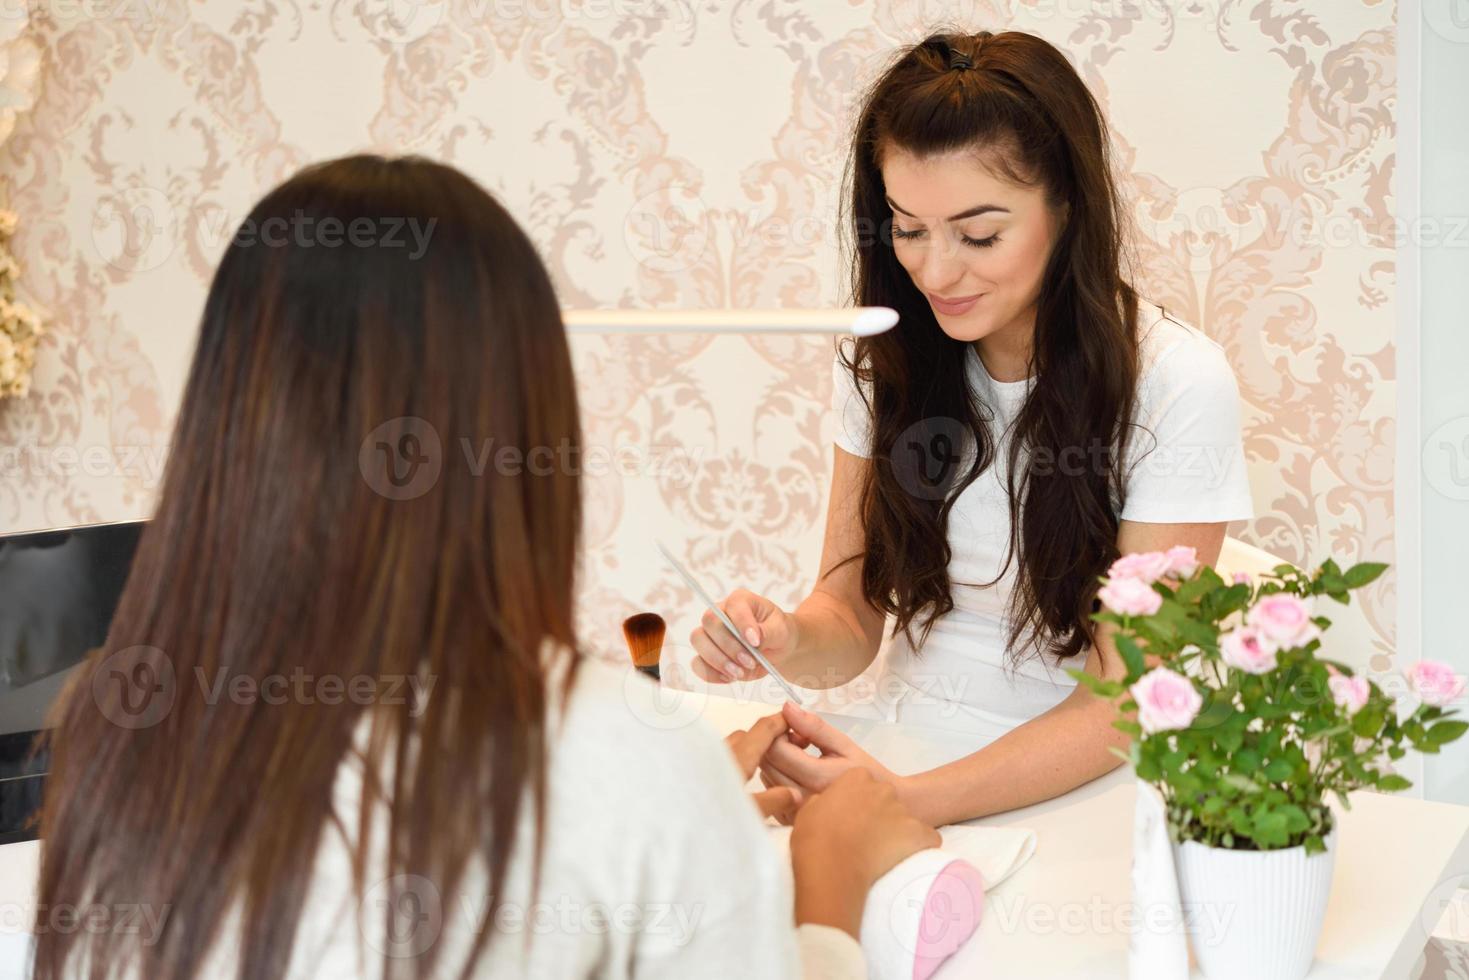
(644, 635)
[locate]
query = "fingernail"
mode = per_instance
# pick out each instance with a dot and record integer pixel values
(748, 661)
(752, 635)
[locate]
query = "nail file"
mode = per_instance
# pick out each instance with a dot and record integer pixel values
(704, 597)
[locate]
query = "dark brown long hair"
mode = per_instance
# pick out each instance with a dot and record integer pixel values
(366, 308)
(1023, 103)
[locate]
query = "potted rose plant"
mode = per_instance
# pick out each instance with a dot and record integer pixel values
(1247, 731)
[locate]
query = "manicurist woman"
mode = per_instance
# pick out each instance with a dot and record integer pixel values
(1031, 419)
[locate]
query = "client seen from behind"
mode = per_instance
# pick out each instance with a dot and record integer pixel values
(495, 773)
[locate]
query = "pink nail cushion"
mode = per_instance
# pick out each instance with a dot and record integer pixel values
(951, 912)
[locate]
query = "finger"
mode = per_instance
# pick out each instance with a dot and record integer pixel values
(780, 803)
(719, 635)
(746, 610)
(773, 777)
(751, 745)
(716, 667)
(814, 729)
(792, 761)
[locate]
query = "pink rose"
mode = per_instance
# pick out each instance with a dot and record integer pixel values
(1285, 619)
(1165, 700)
(1349, 692)
(1145, 566)
(1130, 597)
(1182, 561)
(1434, 683)
(1248, 649)
(1241, 578)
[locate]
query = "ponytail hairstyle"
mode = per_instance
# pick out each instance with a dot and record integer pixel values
(1020, 106)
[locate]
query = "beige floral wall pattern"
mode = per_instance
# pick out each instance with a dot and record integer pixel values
(677, 153)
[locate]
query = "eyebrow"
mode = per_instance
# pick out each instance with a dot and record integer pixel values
(970, 213)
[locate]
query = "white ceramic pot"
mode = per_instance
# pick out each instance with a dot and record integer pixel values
(1254, 915)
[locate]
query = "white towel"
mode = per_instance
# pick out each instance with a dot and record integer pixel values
(996, 852)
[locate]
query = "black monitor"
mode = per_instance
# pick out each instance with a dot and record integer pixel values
(58, 592)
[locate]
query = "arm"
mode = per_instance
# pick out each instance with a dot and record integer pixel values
(1045, 757)
(1064, 747)
(837, 632)
(832, 636)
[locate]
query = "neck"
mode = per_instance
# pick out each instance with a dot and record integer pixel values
(1005, 353)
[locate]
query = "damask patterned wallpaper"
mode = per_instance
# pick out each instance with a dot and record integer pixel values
(680, 153)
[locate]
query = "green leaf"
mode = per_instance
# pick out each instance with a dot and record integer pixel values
(1132, 655)
(1239, 782)
(1278, 770)
(1446, 731)
(1295, 818)
(1269, 827)
(1363, 573)
(1368, 722)
(1392, 783)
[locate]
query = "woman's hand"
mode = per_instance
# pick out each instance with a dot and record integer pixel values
(844, 840)
(787, 763)
(780, 802)
(765, 626)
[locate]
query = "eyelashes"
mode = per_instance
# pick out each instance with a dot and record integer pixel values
(899, 233)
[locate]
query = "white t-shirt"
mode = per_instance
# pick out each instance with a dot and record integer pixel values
(1188, 406)
(657, 864)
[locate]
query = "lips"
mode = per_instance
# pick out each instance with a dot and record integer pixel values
(955, 306)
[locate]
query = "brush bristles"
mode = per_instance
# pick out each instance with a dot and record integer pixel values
(644, 635)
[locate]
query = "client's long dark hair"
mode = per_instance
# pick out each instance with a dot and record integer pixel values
(367, 308)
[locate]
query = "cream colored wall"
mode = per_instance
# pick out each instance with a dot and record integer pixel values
(672, 153)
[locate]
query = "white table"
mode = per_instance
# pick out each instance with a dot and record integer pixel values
(1066, 913)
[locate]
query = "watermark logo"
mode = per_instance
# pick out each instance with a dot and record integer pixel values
(1195, 225)
(925, 457)
(402, 916)
(136, 229)
(942, 913)
(667, 229)
(661, 706)
(1446, 909)
(402, 458)
(1449, 19)
(135, 687)
(1446, 459)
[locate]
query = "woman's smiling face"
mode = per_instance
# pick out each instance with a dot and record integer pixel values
(974, 243)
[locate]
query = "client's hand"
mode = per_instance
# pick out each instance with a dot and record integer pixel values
(765, 626)
(780, 802)
(789, 764)
(844, 840)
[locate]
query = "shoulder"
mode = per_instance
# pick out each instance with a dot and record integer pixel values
(621, 730)
(1176, 355)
